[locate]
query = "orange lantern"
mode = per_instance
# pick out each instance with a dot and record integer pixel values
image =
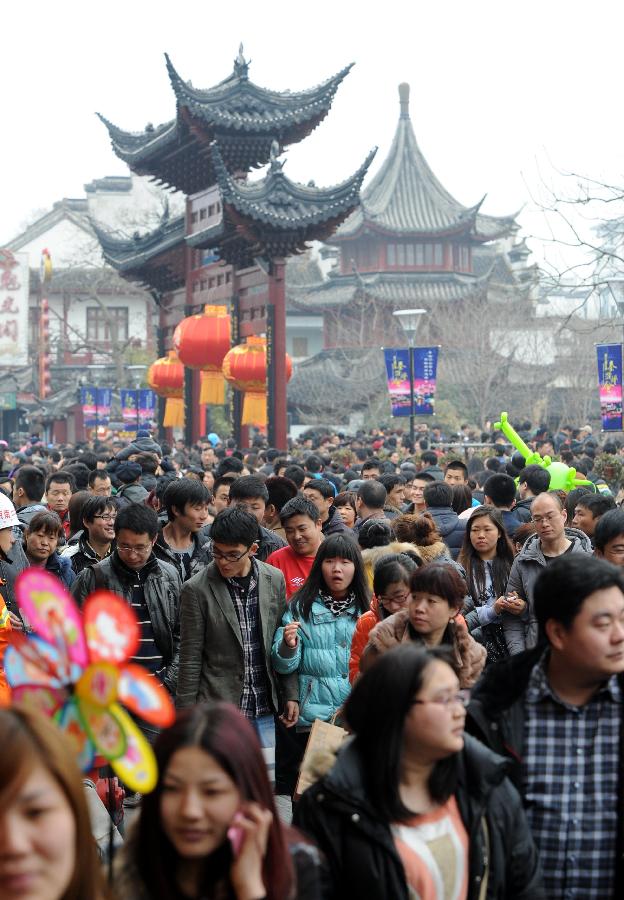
(201, 342)
(245, 369)
(166, 378)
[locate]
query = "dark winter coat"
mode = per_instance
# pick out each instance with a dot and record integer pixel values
(522, 509)
(61, 567)
(80, 553)
(496, 716)
(132, 493)
(186, 567)
(162, 588)
(362, 859)
(26, 513)
(450, 527)
(334, 524)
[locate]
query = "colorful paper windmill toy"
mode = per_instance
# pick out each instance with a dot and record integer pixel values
(74, 667)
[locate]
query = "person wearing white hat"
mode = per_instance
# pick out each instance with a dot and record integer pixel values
(12, 559)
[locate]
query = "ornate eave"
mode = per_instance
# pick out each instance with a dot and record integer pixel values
(389, 288)
(275, 216)
(242, 116)
(154, 260)
(405, 199)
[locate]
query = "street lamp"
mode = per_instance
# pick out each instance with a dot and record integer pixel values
(410, 320)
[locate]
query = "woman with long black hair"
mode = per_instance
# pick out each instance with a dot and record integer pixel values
(487, 556)
(317, 630)
(412, 806)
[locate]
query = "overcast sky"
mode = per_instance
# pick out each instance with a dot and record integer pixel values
(502, 94)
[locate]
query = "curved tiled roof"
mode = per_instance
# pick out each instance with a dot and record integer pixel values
(139, 258)
(394, 289)
(244, 118)
(405, 197)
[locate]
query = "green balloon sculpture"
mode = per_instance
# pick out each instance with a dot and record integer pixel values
(562, 477)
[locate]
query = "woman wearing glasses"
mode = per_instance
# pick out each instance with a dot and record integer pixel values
(437, 594)
(315, 638)
(391, 593)
(412, 806)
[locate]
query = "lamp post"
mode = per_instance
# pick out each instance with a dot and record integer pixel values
(410, 320)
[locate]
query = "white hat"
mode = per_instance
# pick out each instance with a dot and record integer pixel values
(8, 516)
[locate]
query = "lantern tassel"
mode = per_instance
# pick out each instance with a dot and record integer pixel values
(174, 413)
(212, 388)
(254, 408)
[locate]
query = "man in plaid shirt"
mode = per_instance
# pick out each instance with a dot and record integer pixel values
(229, 612)
(556, 712)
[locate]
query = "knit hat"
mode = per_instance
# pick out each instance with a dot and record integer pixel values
(127, 472)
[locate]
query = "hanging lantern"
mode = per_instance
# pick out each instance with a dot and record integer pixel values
(201, 342)
(166, 378)
(245, 369)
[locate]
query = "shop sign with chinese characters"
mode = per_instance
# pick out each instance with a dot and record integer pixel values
(14, 285)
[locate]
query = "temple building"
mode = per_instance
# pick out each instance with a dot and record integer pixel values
(410, 244)
(231, 245)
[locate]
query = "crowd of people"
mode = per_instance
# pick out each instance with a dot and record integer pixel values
(461, 621)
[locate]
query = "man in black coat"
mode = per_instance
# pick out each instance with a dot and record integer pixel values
(556, 713)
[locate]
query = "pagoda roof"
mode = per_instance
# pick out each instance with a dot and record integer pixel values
(405, 197)
(394, 289)
(154, 259)
(242, 116)
(274, 216)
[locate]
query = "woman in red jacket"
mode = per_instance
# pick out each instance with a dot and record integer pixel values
(391, 580)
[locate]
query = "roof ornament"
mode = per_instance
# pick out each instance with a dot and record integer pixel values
(149, 128)
(241, 65)
(404, 93)
(275, 166)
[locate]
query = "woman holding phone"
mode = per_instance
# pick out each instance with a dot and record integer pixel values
(210, 829)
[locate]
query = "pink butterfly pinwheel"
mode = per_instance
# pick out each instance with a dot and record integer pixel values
(75, 668)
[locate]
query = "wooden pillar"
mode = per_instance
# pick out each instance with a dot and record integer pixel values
(276, 357)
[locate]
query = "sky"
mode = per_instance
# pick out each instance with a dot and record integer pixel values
(505, 97)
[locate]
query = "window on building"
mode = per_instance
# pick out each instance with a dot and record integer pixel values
(99, 323)
(391, 253)
(400, 254)
(428, 254)
(203, 213)
(420, 255)
(438, 255)
(409, 254)
(299, 347)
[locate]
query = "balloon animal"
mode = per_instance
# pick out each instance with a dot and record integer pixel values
(562, 477)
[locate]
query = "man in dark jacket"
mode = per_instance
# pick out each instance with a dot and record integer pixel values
(500, 492)
(151, 587)
(95, 541)
(532, 481)
(28, 491)
(180, 542)
(321, 492)
(131, 490)
(250, 493)
(556, 713)
(438, 498)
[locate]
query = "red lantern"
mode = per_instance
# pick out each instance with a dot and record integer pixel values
(201, 342)
(166, 378)
(245, 369)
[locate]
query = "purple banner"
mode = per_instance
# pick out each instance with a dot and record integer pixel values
(129, 407)
(398, 376)
(96, 406)
(610, 385)
(147, 407)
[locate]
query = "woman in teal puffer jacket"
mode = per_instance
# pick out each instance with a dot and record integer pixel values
(317, 628)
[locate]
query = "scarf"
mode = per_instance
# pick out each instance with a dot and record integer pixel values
(337, 607)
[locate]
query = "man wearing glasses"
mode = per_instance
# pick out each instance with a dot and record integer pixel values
(229, 613)
(95, 542)
(552, 540)
(149, 586)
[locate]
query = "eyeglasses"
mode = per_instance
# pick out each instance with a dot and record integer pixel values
(539, 520)
(107, 517)
(399, 601)
(461, 698)
(139, 550)
(228, 557)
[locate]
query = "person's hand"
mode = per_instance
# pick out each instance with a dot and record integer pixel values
(16, 622)
(514, 604)
(290, 634)
(290, 716)
(246, 870)
(500, 605)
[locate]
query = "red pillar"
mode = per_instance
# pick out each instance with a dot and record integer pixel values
(276, 411)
